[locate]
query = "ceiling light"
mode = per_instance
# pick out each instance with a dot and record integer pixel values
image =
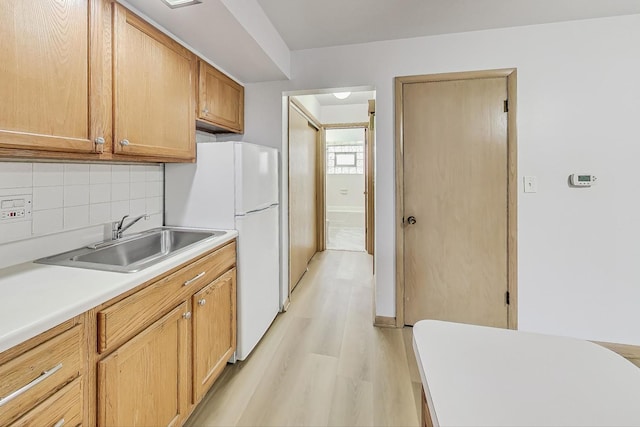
(341, 95)
(173, 4)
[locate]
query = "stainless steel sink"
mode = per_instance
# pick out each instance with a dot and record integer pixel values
(132, 253)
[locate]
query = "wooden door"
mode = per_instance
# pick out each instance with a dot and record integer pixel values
(220, 99)
(44, 76)
(214, 331)
(455, 186)
(145, 382)
(302, 194)
(154, 91)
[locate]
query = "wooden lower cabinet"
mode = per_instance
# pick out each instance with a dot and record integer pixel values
(144, 358)
(30, 379)
(62, 409)
(426, 415)
(145, 381)
(155, 364)
(214, 331)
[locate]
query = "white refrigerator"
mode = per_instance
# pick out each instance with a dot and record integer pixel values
(234, 185)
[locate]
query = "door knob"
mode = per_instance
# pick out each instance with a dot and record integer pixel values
(411, 220)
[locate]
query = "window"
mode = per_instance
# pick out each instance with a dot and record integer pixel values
(345, 159)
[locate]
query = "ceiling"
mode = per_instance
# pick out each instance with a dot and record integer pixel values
(362, 97)
(305, 24)
(252, 40)
(213, 31)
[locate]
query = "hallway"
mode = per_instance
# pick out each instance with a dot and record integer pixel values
(346, 238)
(322, 363)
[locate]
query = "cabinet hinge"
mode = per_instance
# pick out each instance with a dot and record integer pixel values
(506, 105)
(507, 298)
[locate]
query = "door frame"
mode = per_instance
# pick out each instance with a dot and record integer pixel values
(370, 140)
(512, 186)
(368, 176)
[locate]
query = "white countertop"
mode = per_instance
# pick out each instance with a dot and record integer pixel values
(478, 376)
(36, 297)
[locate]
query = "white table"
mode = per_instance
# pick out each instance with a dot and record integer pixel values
(479, 376)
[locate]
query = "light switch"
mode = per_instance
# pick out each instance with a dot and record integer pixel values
(530, 184)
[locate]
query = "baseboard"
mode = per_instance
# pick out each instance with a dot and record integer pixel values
(625, 350)
(384, 322)
(285, 306)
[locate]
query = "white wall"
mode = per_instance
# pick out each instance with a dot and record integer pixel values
(345, 135)
(578, 111)
(348, 113)
(310, 102)
(345, 192)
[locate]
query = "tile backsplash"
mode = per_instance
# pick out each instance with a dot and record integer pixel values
(72, 196)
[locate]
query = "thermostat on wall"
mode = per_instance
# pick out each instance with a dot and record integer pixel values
(582, 180)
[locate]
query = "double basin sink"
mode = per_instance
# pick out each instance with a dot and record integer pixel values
(133, 253)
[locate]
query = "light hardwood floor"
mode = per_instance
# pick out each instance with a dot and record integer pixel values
(346, 238)
(322, 363)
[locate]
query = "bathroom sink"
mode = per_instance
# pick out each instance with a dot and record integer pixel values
(132, 253)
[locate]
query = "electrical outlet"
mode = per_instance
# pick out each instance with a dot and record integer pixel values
(15, 208)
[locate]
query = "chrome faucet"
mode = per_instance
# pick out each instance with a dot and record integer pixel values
(118, 227)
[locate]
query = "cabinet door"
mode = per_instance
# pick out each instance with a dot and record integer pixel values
(214, 331)
(221, 100)
(44, 77)
(145, 382)
(154, 91)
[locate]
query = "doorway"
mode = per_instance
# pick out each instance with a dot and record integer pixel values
(308, 117)
(345, 188)
(456, 169)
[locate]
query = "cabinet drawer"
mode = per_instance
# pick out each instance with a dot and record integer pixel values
(62, 409)
(124, 319)
(30, 378)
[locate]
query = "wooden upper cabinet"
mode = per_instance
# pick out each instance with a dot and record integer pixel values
(154, 91)
(220, 100)
(45, 82)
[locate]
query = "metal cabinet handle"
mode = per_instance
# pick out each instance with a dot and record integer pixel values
(99, 142)
(187, 315)
(202, 302)
(43, 376)
(190, 281)
(124, 142)
(59, 423)
(206, 110)
(411, 220)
